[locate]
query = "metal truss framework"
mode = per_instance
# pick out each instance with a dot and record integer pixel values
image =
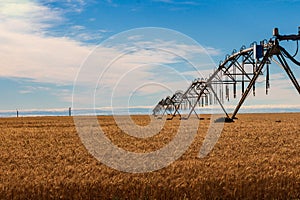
(242, 68)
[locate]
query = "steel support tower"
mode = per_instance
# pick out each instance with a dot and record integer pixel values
(242, 68)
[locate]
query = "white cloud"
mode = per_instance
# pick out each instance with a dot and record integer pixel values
(124, 63)
(27, 16)
(27, 52)
(81, 33)
(32, 89)
(43, 59)
(77, 27)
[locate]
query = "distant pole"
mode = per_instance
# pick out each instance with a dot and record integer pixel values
(70, 111)
(17, 113)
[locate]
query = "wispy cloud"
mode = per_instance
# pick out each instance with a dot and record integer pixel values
(32, 89)
(27, 16)
(155, 67)
(68, 5)
(142, 64)
(193, 3)
(29, 52)
(81, 33)
(40, 58)
(112, 3)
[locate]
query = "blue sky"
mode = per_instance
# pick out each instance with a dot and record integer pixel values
(44, 43)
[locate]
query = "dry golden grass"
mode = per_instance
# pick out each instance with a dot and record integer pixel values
(257, 157)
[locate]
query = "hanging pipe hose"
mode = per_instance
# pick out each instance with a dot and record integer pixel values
(285, 53)
(296, 50)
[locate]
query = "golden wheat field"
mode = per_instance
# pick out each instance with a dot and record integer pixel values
(256, 157)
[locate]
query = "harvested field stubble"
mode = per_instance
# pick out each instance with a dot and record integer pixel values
(257, 157)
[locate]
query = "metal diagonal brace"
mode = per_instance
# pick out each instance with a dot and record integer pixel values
(289, 72)
(252, 82)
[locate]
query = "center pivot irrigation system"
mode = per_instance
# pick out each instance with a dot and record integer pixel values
(239, 70)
